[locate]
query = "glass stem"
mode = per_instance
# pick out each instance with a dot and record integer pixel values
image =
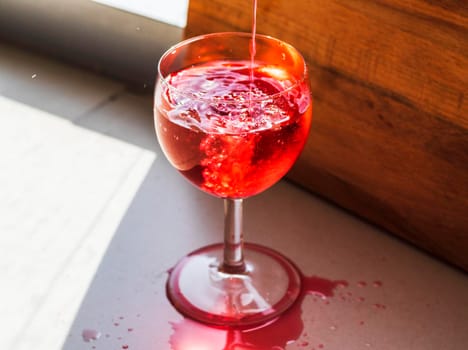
(233, 237)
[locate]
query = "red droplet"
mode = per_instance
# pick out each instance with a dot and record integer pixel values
(125, 346)
(90, 335)
(362, 284)
(380, 306)
(377, 284)
(342, 284)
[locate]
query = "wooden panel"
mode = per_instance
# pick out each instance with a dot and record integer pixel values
(389, 138)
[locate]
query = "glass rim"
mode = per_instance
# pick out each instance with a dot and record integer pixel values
(168, 52)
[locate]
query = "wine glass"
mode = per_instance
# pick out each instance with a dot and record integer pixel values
(232, 114)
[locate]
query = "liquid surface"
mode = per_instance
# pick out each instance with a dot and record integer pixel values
(230, 134)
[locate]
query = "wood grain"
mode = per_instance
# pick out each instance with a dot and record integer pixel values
(390, 130)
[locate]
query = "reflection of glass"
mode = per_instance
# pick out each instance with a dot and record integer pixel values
(233, 127)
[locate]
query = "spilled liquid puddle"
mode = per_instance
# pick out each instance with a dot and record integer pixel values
(286, 330)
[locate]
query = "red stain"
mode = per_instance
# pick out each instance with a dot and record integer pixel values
(277, 334)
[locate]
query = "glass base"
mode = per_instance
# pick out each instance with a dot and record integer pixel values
(200, 290)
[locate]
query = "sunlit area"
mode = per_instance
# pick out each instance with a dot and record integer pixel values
(64, 191)
(75, 149)
(172, 11)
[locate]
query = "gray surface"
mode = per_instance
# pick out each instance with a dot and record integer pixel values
(92, 217)
(110, 41)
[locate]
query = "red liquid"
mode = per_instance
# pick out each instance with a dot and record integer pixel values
(276, 335)
(90, 335)
(230, 135)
